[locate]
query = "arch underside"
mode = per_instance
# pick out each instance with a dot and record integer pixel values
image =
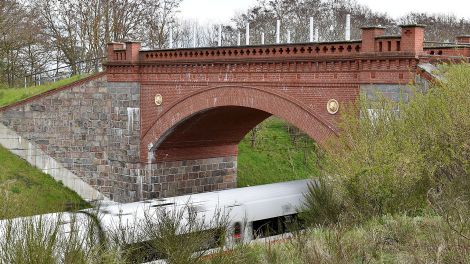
(214, 132)
(212, 122)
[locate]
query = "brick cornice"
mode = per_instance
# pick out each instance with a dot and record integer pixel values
(303, 59)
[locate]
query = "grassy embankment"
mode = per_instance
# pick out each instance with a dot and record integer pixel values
(12, 95)
(277, 155)
(25, 190)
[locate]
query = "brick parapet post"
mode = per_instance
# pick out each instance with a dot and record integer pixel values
(368, 37)
(132, 51)
(412, 38)
(123, 52)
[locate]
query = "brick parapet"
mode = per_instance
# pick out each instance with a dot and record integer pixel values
(411, 41)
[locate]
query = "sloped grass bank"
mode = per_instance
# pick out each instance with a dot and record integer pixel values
(13, 95)
(25, 190)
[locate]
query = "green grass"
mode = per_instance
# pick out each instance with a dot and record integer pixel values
(25, 190)
(12, 95)
(275, 157)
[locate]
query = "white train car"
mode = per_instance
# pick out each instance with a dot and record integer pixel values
(252, 212)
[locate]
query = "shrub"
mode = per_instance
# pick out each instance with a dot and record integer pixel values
(386, 162)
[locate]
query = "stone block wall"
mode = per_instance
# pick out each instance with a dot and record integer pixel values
(393, 92)
(71, 126)
(166, 179)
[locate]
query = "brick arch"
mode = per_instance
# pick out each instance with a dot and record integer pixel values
(248, 101)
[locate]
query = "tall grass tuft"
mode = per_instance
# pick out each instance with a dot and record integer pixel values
(321, 207)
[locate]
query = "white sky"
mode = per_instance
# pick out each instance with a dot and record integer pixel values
(216, 11)
(213, 11)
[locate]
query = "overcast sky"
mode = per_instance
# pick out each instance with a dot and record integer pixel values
(216, 11)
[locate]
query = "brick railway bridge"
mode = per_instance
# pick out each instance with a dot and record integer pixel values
(158, 123)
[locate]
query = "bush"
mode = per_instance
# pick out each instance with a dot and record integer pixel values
(386, 162)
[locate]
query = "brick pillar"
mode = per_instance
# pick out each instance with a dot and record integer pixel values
(412, 38)
(132, 51)
(113, 46)
(368, 37)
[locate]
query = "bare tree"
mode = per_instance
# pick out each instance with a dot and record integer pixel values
(441, 27)
(159, 17)
(123, 18)
(61, 25)
(36, 35)
(15, 32)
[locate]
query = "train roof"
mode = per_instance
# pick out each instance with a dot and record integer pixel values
(216, 199)
(241, 204)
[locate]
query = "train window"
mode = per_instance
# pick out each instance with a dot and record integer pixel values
(151, 250)
(275, 226)
(162, 204)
